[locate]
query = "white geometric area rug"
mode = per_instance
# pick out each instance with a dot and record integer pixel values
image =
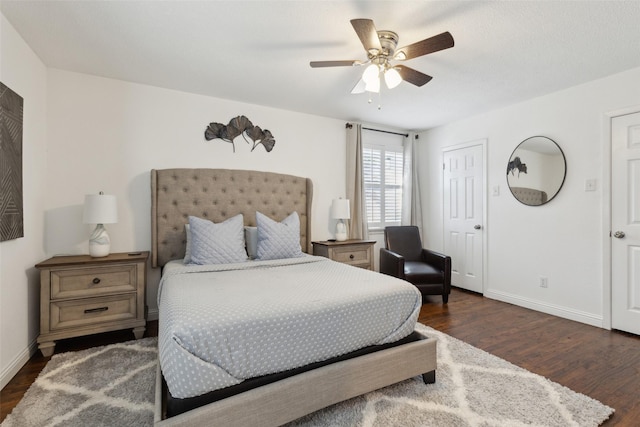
(114, 386)
(473, 389)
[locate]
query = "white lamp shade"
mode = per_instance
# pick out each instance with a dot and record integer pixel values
(370, 74)
(100, 209)
(373, 86)
(360, 87)
(392, 78)
(340, 209)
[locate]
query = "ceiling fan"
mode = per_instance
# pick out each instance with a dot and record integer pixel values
(381, 50)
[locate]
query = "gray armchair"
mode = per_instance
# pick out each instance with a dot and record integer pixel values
(404, 257)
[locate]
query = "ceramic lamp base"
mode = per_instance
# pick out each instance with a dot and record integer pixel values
(341, 231)
(99, 242)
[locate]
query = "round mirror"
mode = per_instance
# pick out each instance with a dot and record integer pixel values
(536, 171)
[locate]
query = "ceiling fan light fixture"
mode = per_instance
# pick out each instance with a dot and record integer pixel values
(381, 48)
(360, 87)
(373, 86)
(400, 56)
(371, 74)
(392, 78)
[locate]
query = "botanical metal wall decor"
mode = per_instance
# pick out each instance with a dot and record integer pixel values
(516, 163)
(11, 209)
(240, 125)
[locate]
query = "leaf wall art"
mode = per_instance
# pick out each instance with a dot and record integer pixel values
(240, 125)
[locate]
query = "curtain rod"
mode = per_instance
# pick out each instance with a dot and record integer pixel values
(349, 125)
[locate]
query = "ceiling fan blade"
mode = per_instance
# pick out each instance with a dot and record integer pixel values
(320, 64)
(424, 47)
(366, 31)
(412, 76)
(359, 87)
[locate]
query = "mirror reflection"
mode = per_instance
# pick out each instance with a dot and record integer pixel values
(536, 171)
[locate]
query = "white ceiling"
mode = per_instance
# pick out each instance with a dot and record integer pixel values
(259, 51)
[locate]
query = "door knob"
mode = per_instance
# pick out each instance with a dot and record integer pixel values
(619, 234)
(477, 226)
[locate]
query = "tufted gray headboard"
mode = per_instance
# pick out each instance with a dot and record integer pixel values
(218, 194)
(529, 196)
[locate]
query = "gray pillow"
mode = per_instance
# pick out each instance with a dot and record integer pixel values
(251, 241)
(278, 240)
(187, 249)
(221, 243)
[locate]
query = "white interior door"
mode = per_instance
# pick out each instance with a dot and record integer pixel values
(463, 215)
(625, 218)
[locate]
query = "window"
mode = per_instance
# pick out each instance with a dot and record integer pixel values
(382, 170)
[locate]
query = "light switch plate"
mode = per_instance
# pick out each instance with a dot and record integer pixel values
(590, 185)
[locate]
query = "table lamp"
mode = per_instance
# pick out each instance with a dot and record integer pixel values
(100, 209)
(340, 210)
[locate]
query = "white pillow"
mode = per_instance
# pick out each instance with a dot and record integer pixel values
(278, 240)
(221, 243)
(251, 241)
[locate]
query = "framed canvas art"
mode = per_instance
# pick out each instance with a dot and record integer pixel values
(11, 207)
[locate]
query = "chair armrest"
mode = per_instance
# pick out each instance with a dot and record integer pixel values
(391, 263)
(440, 261)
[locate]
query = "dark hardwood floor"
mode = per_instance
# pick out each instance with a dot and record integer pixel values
(602, 364)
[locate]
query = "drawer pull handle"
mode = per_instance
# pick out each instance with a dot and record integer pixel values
(95, 310)
(96, 281)
(351, 256)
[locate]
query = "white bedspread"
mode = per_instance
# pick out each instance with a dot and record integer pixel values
(222, 324)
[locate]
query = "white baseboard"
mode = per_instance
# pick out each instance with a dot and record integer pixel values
(17, 363)
(152, 314)
(556, 310)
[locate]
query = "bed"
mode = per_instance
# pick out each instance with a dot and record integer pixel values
(225, 383)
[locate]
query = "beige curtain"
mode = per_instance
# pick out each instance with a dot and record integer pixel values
(355, 183)
(411, 202)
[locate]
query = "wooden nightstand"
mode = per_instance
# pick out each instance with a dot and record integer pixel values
(358, 253)
(81, 295)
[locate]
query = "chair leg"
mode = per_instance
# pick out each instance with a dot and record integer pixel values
(445, 298)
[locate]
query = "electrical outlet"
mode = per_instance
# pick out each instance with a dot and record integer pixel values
(544, 282)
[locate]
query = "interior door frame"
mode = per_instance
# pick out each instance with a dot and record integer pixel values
(607, 206)
(485, 237)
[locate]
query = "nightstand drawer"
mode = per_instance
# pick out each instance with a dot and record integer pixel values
(350, 255)
(82, 295)
(95, 281)
(84, 312)
(355, 252)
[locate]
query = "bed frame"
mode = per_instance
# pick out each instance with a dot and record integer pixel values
(218, 194)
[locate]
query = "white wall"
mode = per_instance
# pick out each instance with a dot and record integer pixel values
(25, 74)
(106, 135)
(563, 240)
